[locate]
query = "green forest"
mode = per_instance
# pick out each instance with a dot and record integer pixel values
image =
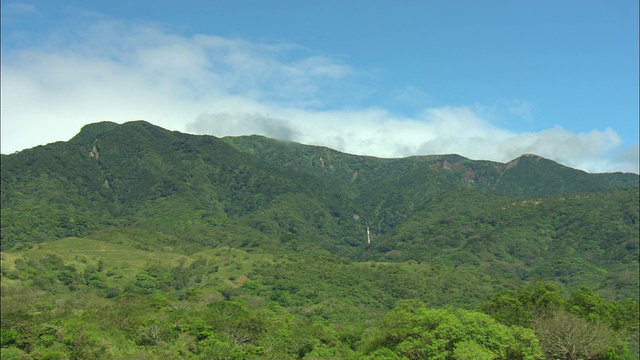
(134, 242)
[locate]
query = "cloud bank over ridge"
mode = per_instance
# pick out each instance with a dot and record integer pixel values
(438, 131)
(110, 70)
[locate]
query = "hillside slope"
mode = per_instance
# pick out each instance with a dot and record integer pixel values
(144, 186)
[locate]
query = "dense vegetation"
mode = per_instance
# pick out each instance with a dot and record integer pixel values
(82, 299)
(130, 241)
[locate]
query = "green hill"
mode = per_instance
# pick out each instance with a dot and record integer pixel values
(195, 192)
(132, 241)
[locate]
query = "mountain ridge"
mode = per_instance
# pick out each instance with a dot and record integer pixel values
(114, 182)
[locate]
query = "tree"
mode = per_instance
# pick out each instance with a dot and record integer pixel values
(589, 305)
(471, 350)
(415, 332)
(521, 306)
(565, 336)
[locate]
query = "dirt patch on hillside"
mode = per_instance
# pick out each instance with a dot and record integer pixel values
(239, 281)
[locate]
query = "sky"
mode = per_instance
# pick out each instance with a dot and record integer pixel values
(488, 80)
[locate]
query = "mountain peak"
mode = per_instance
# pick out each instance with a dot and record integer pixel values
(103, 126)
(529, 158)
(538, 157)
(99, 126)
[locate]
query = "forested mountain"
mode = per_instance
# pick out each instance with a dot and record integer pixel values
(529, 217)
(319, 232)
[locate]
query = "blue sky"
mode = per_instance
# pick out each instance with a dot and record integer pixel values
(484, 79)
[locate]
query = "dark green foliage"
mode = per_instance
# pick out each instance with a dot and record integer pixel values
(577, 240)
(139, 184)
(160, 215)
(522, 306)
(534, 176)
(311, 284)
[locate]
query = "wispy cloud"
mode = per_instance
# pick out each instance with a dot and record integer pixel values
(234, 124)
(224, 86)
(446, 130)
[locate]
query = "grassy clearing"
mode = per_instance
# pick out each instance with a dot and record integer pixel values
(122, 263)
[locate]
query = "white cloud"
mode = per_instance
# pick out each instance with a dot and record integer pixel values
(223, 86)
(457, 130)
(234, 124)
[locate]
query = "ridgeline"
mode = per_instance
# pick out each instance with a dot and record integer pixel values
(270, 228)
